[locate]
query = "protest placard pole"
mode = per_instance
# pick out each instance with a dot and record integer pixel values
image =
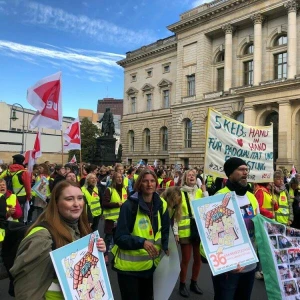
(62, 148)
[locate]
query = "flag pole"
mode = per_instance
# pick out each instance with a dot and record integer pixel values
(62, 148)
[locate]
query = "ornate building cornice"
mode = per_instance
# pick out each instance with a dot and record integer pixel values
(257, 18)
(291, 6)
(157, 48)
(205, 12)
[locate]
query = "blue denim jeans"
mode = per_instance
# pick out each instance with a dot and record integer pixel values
(233, 286)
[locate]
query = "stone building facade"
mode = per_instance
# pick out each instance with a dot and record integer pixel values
(237, 56)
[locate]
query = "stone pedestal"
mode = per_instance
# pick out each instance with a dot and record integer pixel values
(105, 151)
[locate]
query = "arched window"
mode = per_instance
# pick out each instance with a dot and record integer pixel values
(131, 140)
(249, 49)
(188, 133)
(220, 56)
(164, 138)
(147, 139)
(281, 40)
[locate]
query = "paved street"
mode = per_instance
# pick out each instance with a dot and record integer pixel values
(204, 281)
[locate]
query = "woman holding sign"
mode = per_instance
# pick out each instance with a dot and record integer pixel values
(63, 222)
(187, 234)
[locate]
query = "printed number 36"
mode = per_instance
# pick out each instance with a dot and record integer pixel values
(218, 259)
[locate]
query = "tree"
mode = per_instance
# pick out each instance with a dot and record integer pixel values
(89, 133)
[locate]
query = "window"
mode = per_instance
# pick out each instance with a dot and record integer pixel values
(191, 85)
(164, 139)
(149, 100)
(131, 140)
(280, 65)
(133, 104)
(166, 102)
(249, 49)
(133, 77)
(149, 72)
(221, 57)
(281, 40)
(240, 117)
(147, 139)
(188, 134)
(248, 72)
(220, 79)
(167, 69)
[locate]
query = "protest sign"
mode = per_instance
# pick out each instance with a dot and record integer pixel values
(166, 274)
(227, 138)
(223, 233)
(279, 254)
(41, 188)
(81, 270)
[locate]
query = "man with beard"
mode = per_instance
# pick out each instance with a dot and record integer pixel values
(238, 283)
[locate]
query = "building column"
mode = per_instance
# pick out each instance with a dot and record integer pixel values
(284, 134)
(249, 115)
(257, 55)
(291, 7)
(228, 29)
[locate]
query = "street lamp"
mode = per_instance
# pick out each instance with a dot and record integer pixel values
(14, 117)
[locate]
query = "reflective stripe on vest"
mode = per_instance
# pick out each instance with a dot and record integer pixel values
(184, 229)
(93, 201)
(113, 213)
(139, 259)
(283, 212)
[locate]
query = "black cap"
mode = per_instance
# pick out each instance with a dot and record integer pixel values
(232, 164)
(18, 158)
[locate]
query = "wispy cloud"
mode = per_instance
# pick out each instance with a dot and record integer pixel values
(99, 30)
(97, 65)
(199, 2)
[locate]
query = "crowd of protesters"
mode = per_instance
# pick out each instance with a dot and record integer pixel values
(159, 196)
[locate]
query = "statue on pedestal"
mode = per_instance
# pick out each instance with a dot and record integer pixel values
(108, 125)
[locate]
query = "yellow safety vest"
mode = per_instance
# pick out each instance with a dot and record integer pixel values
(125, 182)
(168, 184)
(139, 259)
(113, 213)
(184, 228)
(12, 201)
(54, 291)
(267, 202)
(253, 202)
(93, 201)
(159, 180)
(135, 176)
(18, 188)
(209, 181)
(283, 212)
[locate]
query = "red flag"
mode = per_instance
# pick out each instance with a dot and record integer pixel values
(73, 160)
(72, 136)
(45, 96)
(32, 155)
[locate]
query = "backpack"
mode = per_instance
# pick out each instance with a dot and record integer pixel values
(9, 180)
(15, 232)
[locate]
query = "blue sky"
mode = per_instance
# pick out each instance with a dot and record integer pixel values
(81, 38)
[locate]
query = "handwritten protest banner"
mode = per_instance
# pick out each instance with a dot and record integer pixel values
(223, 233)
(226, 137)
(279, 254)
